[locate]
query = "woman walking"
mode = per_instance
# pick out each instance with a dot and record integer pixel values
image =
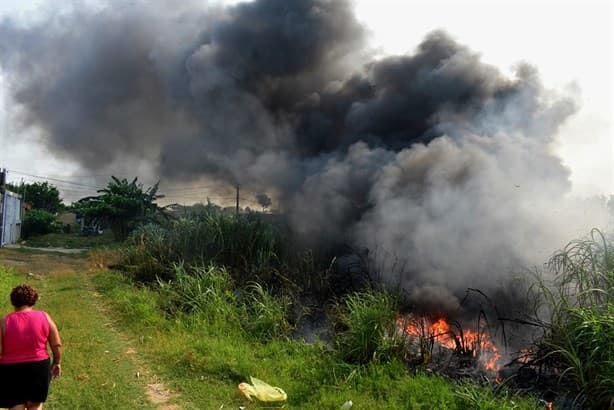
(25, 367)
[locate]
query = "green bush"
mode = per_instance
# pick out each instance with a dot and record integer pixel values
(39, 222)
(367, 328)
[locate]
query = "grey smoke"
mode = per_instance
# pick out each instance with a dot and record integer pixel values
(434, 156)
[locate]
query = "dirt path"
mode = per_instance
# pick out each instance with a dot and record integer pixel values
(47, 249)
(102, 366)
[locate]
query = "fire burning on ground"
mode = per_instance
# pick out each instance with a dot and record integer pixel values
(473, 347)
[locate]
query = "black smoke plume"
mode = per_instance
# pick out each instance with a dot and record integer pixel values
(433, 158)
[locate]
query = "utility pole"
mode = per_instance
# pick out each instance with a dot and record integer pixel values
(2, 202)
(23, 188)
(237, 207)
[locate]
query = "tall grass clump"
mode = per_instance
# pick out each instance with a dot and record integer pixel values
(578, 338)
(206, 291)
(244, 244)
(147, 255)
(265, 315)
(367, 328)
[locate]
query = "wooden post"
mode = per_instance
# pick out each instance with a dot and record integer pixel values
(237, 206)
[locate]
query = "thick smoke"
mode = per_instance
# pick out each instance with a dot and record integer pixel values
(434, 157)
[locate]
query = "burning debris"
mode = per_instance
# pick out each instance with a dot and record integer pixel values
(472, 348)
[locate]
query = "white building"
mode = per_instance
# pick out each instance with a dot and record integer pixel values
(10, 217)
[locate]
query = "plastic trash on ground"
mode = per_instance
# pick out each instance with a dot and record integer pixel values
(262, 391)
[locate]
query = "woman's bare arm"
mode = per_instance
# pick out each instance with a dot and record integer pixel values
(56, 347)
(2, 321)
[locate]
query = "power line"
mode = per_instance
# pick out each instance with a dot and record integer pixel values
(60, 185)
(197, 188)
(54, 179)
(91, 176)
(59, 179)
(189, 193)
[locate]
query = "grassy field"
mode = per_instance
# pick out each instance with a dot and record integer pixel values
(122, 351)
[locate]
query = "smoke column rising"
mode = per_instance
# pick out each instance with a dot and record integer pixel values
(433, 156)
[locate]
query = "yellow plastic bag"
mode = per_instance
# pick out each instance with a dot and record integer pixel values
(262, 391)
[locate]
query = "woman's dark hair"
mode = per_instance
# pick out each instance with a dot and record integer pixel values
(23, 295)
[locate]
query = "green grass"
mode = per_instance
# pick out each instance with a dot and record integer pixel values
(8, 280)
(205, 365)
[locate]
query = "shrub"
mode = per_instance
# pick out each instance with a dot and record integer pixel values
(38, 222)
(367, 328)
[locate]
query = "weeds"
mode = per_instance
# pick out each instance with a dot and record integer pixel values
(577, 341)
(207, 291)
(368, 329)
(244, 244)
(265, 315)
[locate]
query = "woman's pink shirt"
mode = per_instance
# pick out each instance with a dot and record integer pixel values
(25, 337)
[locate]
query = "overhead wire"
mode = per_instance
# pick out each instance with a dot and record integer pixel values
(53, 179)
(75, 188)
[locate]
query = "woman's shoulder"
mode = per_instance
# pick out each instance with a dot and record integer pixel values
(47, 315)
(40, 313)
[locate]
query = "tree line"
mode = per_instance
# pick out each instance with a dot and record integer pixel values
(122, 206)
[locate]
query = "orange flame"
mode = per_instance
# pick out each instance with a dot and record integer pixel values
(477, 343)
